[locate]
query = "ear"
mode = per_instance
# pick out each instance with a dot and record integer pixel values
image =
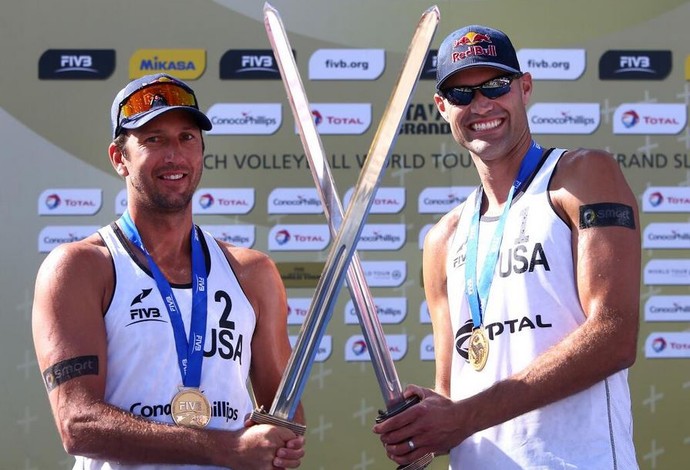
(117, 160)
(441, 106)
(526, 87)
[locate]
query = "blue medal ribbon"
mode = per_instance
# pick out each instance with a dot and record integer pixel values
(478, 292)
(190, 352)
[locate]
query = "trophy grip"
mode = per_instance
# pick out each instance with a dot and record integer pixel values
(261, 416)
(424, 460)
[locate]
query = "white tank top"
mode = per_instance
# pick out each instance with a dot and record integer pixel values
(532, 305)
(142, 371)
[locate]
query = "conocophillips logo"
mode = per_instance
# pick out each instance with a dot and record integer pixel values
(245, 118)
(70, 201)
(666, 199)
(426, 348)
(238, 235)
(667, 308)
(564, 118)
(186, 64)
(382, 237)
(223, 201)
(390, 310)
(666, 236)
(294, 201)
(54, 235)
(76, 64)
(441, 199)
(650, 118)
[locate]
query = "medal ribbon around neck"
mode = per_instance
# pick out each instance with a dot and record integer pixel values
(478, 293)
(190, 353)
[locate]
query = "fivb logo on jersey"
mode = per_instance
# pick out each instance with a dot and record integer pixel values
(70, 201)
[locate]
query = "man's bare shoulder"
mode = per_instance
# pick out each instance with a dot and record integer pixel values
(444, 229)
(85, 255)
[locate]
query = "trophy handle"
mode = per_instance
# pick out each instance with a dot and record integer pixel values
(424, 460)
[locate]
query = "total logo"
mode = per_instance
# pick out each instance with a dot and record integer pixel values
(356, 349)
(666, 199)
(341, 118)
(650, 118)
(298, 307)
(299, 237)
(223, 201)
(387, 200)
(70, 201)
(661, 345)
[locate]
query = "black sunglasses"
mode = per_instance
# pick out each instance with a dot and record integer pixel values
(492, 89)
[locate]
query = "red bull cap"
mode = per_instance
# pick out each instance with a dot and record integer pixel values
(475, 46)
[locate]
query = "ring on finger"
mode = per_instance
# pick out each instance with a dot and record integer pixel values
(410, 444)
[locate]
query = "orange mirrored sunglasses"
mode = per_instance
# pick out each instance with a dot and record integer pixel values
(162, 92)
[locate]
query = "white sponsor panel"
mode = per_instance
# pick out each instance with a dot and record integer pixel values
(323, 352)
(426, 348)
(553, 64)
(298, 237)
(667, 308)
(564, 118)
(223, 201)
(666, 199)
(666, 236)
(667, 345)
(424, 315)
(54, 235)
(121, 202)
(347, 64)
(383, 237)
(70, 201)
(294, 201)
(387, 200)
(390, 310)
(673, 272)
(422, 235)
(385, 273)
(245, 118)
(650, 118)
(356, 349)
(298, 307)
(441, 199)
(341, 118)
(238, 235)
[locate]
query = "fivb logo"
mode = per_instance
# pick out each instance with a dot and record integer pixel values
(675, 308)
(666, 236)
(245, 118)
(238, 235)
(347, 64)
(635, 65)
(304, 237)
(385, 273)
(223, 201)
(387, 200)
(666, 345)
(650, 118)
(356, 349)
(382, 237)
(70, 201)
(294, 201)
(390, 310)
(249, 64)
(297, 310)
(564, 118)
(76, 64)
(666, 199)
(441, 199)
(341, 118)
(324, 350)
(54, 235)
(426, 349)
(186, 64)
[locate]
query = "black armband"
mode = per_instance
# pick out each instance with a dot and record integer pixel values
(606, 214)
(69, 369)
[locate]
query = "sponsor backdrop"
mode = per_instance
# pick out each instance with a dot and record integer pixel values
(607, 74)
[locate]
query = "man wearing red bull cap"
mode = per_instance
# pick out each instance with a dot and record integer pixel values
(533, 288)
(148, 331)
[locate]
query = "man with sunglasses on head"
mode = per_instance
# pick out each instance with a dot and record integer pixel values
(149, 331)
(532, 285)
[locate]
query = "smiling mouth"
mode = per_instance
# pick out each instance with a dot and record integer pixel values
(485, 126)
(174, 177)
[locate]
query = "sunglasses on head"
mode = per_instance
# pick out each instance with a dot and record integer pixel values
(162, 92)
(492, 89)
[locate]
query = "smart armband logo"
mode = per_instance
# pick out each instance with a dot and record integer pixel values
(69, 369)
(76, 64)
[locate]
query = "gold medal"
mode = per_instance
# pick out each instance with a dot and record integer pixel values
(189, 407)
(479, 348)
